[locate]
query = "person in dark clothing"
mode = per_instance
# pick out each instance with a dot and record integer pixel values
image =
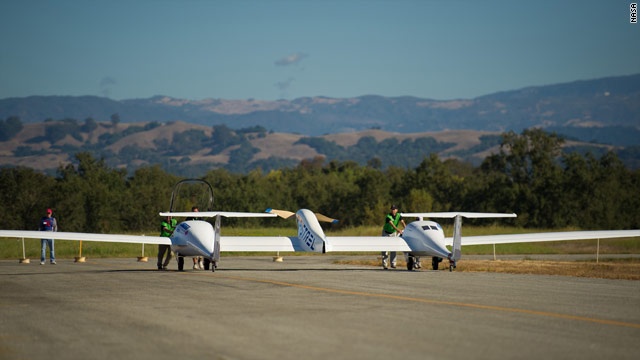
(48, 223)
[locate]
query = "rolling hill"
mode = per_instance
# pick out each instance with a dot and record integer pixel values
(190, 137)
(191, 150)
(568, 108)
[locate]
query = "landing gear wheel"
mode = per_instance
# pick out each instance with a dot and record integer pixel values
(410, 262)
(180, 263)
(435, 262)
(452, 265)
(206, 263)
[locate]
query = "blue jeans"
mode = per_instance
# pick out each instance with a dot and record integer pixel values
(44, 243)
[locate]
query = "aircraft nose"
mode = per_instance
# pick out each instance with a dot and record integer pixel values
(432, 241)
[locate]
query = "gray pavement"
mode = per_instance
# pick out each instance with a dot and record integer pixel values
(307, 307)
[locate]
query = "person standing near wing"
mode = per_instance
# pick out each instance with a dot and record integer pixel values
(390, 228)
(166, 229)
(47, 223)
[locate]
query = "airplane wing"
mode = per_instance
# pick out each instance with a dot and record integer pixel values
(333, 244)
(260, 243)
(366, 243)
(539, 237)
(136, 239)
(202, 214)
(469, 215)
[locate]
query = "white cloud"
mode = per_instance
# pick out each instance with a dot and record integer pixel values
(292, 59)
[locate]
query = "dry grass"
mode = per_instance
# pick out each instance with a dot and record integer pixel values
(621, 269)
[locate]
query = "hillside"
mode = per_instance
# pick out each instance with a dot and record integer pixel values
(191, 150)
(604, 110)
(191, 137)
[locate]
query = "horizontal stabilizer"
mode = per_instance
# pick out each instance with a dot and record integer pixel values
(136, 239)
(202, 214)
(282, 213)
(325, 218)
(287, 214)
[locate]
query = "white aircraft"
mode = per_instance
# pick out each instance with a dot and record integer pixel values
(420, 238)
(190, 238)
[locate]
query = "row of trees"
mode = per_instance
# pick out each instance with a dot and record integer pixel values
(529, 176)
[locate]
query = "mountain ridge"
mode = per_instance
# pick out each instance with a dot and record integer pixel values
(611, 101)
(191, 137)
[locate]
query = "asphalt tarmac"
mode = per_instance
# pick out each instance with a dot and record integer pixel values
(308, 308)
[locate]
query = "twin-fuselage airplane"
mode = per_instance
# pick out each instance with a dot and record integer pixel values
(420, 238)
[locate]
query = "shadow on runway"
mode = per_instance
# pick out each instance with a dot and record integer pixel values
(80, 271)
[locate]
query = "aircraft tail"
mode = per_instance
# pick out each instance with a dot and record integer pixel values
(311, 237)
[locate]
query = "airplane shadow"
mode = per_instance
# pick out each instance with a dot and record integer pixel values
(294, 270)
(190, 271)
(80, 271)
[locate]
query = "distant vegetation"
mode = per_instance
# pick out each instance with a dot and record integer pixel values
(10, 127)
(175, 152)
(529, 176)
(367, 150)
(614, 135)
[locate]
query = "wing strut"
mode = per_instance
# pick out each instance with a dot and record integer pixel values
(457, 240)
(215, 257)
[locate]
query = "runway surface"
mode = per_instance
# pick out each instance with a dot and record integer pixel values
(307, 307)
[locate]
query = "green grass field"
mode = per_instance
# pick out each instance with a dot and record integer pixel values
(12, 248)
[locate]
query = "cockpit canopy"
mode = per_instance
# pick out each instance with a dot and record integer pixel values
(434, 226)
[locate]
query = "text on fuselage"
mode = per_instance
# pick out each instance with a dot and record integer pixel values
(306, 236)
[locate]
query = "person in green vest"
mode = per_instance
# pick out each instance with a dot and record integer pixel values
(390, 228)
(166, 229)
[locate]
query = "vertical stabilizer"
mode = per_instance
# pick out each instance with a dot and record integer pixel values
(310, 235)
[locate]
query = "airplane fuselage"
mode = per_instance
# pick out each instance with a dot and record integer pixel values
(426, 238)
(193, 238)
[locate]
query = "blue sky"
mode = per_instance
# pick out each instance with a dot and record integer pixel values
(273, 49)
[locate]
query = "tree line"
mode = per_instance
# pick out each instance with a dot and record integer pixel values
(530, 176)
